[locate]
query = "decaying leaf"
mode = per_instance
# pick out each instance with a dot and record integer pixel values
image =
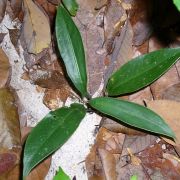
(36, 28)
(170, 111)
(4, 68)
(2, 9)
(9, 122)
(101, 161)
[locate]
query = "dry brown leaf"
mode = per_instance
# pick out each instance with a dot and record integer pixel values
(2, 9)
(170, 112)
(9, 120)
(4, 68)
(34, 21)
(172, 93)
(107, 148)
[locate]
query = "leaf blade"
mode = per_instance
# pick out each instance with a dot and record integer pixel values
(61, 175)
(132, 114)
(71, 49)
(141, 71)
(51, 133)
(177, 4)
(71, 6)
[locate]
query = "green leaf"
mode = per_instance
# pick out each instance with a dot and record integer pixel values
(134, 177)
(71, 6)
(141, 71)
(71, 48)
(177, 4)
(61, 175)
(132, 114)
(50, 134)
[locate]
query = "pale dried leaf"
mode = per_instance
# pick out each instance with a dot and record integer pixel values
(4, 68)
(170, 112)
(36, 28)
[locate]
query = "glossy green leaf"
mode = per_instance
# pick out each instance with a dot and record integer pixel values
(50, 134)
(61, 175)
(132, 114)
(71, 6)
(134, 177)
(177, 4)
(141, 71)
(71, 48)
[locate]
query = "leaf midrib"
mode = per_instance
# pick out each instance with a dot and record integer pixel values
(115, 86)
(74, 54)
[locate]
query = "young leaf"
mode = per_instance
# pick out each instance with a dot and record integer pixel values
(132, 114)
(177, 4)
(61, 175)
(71, 6)
(50, 134)
(141, 71)
(71, 49)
